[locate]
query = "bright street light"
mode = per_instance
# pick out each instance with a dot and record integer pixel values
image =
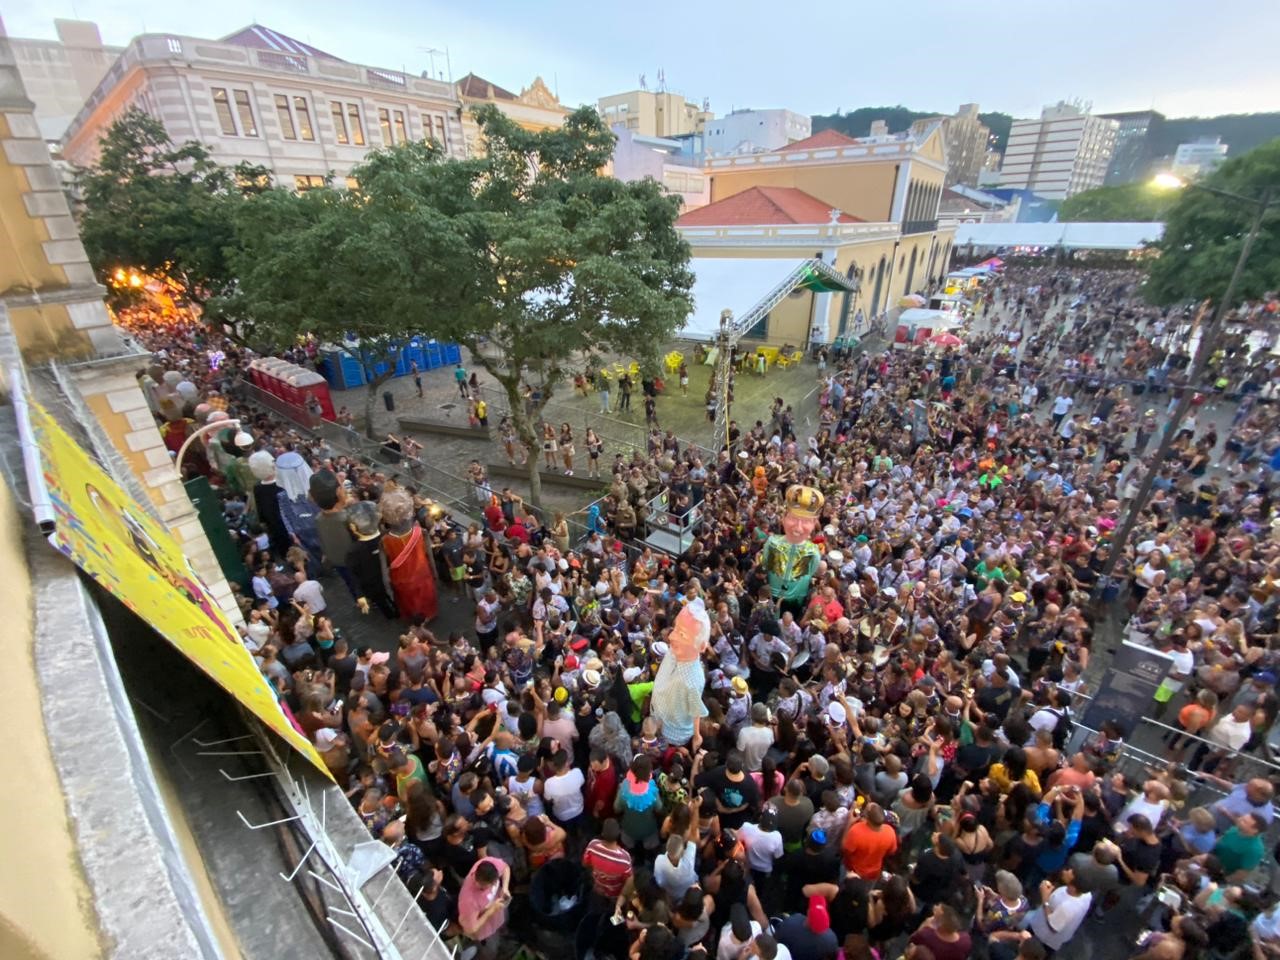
(1167, 181)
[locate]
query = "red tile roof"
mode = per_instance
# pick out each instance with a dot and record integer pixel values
(820, 140)
(264, 38)
(763, 205)
(478, 88)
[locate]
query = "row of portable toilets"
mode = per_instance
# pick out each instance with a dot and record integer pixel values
(344, 371)
(296, 385)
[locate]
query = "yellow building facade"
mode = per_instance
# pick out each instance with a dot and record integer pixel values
(653, 113)
(534, 108)
(867, 207)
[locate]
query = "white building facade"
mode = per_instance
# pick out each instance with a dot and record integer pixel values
(754, 131)
(261, 97)
(59, 75)
(1061, 154)
(1199, 158)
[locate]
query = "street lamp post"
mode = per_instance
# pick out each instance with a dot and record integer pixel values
(1208, 343)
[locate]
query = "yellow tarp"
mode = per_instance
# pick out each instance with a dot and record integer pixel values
(108, 536)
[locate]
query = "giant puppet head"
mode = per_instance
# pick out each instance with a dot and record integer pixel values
(690, 633)
(801, 519)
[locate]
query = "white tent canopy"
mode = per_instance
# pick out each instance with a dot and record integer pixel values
(920, 317)
(1070, 236)
(749, 287)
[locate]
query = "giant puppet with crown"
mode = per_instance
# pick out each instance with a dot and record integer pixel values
(790, 559)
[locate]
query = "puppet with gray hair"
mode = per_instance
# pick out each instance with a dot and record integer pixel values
(409, 566)
(367, 561)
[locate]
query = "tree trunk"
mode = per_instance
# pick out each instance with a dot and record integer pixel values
(524, 430)
(370, 396)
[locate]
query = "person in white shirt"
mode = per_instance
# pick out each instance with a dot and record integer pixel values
(309, 592)
(1063, 910)
(677, 869)
(737, 934)
(563, 791)
(754, 741)
(1061, 407)
(763, 842)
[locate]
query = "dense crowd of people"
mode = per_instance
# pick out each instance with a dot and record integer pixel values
(893, 764)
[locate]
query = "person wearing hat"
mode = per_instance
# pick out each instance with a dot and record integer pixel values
(808, 935)
(739, 709)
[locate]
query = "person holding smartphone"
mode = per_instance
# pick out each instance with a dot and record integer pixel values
(482, 905)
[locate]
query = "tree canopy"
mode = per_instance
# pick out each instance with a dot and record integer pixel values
(358, 267)
(1204, 233)
(527, 256)
(163, 208)
(1130, 202)
(556, 263)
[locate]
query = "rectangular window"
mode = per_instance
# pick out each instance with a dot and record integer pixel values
(339, 121)
(303, 113)
(401, 132)
(285, 117)
(353, 183)
(304, 183)
(222, 107)
(440, 134)
(357, 128)
(384, 121)
(244, 109)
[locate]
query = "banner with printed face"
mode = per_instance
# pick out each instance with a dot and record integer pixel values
(112, 539)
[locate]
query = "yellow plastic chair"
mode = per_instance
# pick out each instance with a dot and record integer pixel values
(784, 362)
(797, 357)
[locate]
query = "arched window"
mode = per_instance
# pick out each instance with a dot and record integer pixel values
(875, 299)
(911, 272)
(846, 305)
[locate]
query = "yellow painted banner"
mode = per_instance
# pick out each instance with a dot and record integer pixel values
(112, 539)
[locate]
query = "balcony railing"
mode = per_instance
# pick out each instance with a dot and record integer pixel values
(919, 226)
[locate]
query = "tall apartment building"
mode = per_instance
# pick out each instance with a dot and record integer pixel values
(966, 139)
(266, 98)
(59, 75)
(1133, 156)
(1200, 157)
(754, 131)
(1060, 154)
(654, 113)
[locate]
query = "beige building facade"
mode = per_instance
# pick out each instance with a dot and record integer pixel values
(652, 113)
(59, 75)
(1064, 152)
(869, 209)
(261, 97)
(966, 139)
(534, 108)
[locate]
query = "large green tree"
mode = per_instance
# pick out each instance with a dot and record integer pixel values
(1128, 203)
(355, 268)
(557, 264)
(164, 208)
(1205, 231)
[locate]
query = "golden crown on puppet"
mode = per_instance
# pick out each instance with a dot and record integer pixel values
(804, 501)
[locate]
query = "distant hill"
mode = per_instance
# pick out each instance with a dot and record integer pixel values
(857, 123)
(1240, 131)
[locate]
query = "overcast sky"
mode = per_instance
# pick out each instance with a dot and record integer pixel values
(1181, 57)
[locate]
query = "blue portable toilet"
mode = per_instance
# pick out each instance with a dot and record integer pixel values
(452, 354)
(434, 355)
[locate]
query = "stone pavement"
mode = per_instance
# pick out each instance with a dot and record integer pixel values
(621, 431)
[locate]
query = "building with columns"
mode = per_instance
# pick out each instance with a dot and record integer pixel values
(868, 208)
(263, 97)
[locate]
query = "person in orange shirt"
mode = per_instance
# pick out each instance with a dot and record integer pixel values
(867, 843)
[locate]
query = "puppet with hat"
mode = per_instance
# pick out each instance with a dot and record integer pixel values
(790, 559)
(681, 678)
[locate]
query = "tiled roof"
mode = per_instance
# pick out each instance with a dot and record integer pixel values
(264, 38)
(763, 205)
(821, 139)
(478, 88)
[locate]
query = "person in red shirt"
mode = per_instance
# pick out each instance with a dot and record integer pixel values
(943, 934)
(608, 861)
(602, 785)
(867, 843)
(517, 531)
(493, 517)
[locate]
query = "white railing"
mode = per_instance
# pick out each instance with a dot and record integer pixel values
(791, 234)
